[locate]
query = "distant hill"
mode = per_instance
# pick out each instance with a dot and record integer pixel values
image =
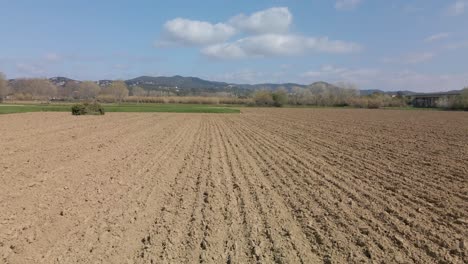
(176, 81)
(181, 83)
(193, 85)
(61, 81)
(269, 86)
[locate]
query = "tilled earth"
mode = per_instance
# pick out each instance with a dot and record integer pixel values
(264, 186)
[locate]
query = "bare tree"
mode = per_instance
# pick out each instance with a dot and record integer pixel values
(138, 91)
(118, 90)
(70, 90)
(3, 87)
(35, 88)
(88, 90)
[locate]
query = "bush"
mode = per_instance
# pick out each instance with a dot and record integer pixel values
(280, 98)
(267, 98)
(263, 98)
(359, 102)
(459, 102)
(374, 103)
(87, 109)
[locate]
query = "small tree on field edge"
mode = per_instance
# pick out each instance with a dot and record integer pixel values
(3, 87)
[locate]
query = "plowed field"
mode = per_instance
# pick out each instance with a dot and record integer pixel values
(263, 186)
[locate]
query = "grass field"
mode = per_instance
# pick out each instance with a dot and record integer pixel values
(169, 108)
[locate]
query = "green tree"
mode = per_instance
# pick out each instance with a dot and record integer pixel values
(280, 98)
(263, 98)
(462, 99)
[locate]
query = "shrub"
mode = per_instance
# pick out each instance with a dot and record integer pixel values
(263, 98)
(396, 102)
(23, 96)
(182, 100)
(360, 102)
(374, 103)
(87, 109)
(280, 98)
(459, 102)
(105, 98)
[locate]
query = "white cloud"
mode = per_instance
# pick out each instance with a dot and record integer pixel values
(412, 58)
(266, 35)
(277, 45)
(437, 37)
(272, 20)
(457, 8)
(347, 4)
(192, 32)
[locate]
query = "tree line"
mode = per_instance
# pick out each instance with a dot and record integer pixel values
(314, 95)
(43, 89)
(323, 95)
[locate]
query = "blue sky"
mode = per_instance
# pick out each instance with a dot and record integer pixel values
(374, 44)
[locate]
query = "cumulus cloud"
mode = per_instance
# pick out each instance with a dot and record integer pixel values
(457, 8)
(272, 20)
(437, 37)
(347, 4)
(266, 33)
(277, 45)
(193, 32)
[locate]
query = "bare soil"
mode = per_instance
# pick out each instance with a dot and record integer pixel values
(264, 186)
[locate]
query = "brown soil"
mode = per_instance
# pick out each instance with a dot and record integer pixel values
(265, 186)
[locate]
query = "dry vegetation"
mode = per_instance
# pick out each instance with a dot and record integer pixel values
(4, 89)
(268, 186)
(455, 103)
(320, 94)
(180, 99)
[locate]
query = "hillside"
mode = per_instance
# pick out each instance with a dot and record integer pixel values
(180, 85)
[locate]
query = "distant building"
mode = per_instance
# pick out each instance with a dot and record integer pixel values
(431, 99)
